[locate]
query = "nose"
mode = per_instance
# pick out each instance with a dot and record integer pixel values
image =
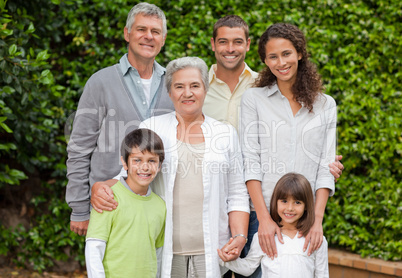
(230, 47)
(187, 92)
(290, 206)
(148, 35)
(282, 61)
(145, 166)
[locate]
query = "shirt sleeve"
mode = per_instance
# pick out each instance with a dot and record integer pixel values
(82, 143)
(94, 254)
(324, 177)
(321, 261)
(238, 198)
(246, 266)
(250, 143)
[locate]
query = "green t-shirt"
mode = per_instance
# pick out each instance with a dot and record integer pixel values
(132, 233)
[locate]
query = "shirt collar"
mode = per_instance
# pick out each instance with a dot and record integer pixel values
(125, 66)
(123, 181)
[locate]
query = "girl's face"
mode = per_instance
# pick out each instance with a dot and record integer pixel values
(282, 59)
(290, 211)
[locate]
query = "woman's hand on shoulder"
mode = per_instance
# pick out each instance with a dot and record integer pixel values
(102, 196)
(266, 236)
(314, 237)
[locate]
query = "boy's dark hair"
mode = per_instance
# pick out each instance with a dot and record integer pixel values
(297, 186)
(145, 140)
(231, 21)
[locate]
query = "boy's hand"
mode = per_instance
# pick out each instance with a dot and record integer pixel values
(79, 227)
(102, 196)
(336, 167)
(229, 252)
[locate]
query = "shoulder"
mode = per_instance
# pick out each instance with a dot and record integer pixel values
(218, 126)
(325, 101)
(104, 73)
(158, 121)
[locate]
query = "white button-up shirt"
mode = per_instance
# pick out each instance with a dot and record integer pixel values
(223, 181)
(274, 142)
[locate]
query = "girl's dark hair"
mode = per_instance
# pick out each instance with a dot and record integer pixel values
(297, 186)
(145, 140)
(308, 83)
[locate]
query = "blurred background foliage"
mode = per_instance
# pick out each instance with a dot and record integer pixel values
(48, 49)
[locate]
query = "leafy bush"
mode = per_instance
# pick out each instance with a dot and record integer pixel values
(50, 48)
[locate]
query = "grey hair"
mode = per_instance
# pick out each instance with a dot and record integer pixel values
(183, 63)
(146, 9)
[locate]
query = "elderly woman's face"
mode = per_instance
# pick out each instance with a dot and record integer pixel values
(187, 92)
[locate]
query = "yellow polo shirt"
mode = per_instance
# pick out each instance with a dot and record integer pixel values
(220, 103)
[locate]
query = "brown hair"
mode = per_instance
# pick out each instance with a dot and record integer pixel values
(308, 83)
(145, 140)
(231, 21)
(297, 186)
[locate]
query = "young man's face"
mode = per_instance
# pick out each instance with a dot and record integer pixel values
(230, 47)
(142, 168)
(145, 38)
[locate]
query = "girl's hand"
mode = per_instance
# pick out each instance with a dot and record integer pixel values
(314, 237)
(229, 251)
(102, 196)
(266, 237)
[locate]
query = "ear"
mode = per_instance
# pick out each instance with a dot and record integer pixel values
(299, 56)
(126, 34)
(124, 163)
(164, 39)
(248, 44)
(213, 44)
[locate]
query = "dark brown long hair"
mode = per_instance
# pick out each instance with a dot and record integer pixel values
(308, 83)
(297, 186)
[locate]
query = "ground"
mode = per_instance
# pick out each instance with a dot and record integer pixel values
(8, 272)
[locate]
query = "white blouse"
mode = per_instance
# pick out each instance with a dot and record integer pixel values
(291, 261)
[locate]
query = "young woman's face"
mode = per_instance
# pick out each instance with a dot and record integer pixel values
(290, 211)
(282, 59)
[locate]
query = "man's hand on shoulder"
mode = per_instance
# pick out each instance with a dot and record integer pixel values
(79, 227)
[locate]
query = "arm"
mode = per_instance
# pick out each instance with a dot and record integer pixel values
(94, 254)
(315, 235)
(321, 261)
(267, 227)
(325, 185)
(237, 199)
(82, 143)
(248, 265)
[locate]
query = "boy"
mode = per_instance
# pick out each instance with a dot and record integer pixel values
(124, 242)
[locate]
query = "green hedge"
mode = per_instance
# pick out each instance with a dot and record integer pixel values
(48, 49)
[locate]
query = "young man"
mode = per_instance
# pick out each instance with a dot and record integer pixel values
(114, 102)
(230, 77)
(123, 242)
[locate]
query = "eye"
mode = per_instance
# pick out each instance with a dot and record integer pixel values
(299, 202)
(272, 57)
(284, 201)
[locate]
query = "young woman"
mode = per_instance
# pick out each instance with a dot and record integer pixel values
(292, 209)
(287, 125)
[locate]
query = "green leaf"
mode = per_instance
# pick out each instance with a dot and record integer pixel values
(12, 49)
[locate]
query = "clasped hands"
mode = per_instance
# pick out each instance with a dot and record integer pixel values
(231, 250)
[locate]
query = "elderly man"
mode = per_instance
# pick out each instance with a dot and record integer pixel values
(115, 101)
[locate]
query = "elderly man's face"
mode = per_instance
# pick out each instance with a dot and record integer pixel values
(145, 38)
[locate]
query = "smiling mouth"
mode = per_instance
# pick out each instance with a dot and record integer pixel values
(284, 70)
(188, 101)
(289, 215)
(144, 176)
(231, 57)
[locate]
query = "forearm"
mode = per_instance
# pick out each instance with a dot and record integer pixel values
(255, 191)
(238, 222)
(321, 198)
(94, 253)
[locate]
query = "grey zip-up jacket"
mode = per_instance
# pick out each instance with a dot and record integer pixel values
(106, 113)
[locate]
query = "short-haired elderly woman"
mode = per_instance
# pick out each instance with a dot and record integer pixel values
(202, 178)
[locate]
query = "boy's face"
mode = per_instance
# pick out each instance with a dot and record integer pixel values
(141, 170)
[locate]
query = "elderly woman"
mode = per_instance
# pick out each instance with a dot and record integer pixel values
(202, 178)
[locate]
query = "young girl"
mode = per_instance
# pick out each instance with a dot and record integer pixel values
(287, 125)
(292, 209)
